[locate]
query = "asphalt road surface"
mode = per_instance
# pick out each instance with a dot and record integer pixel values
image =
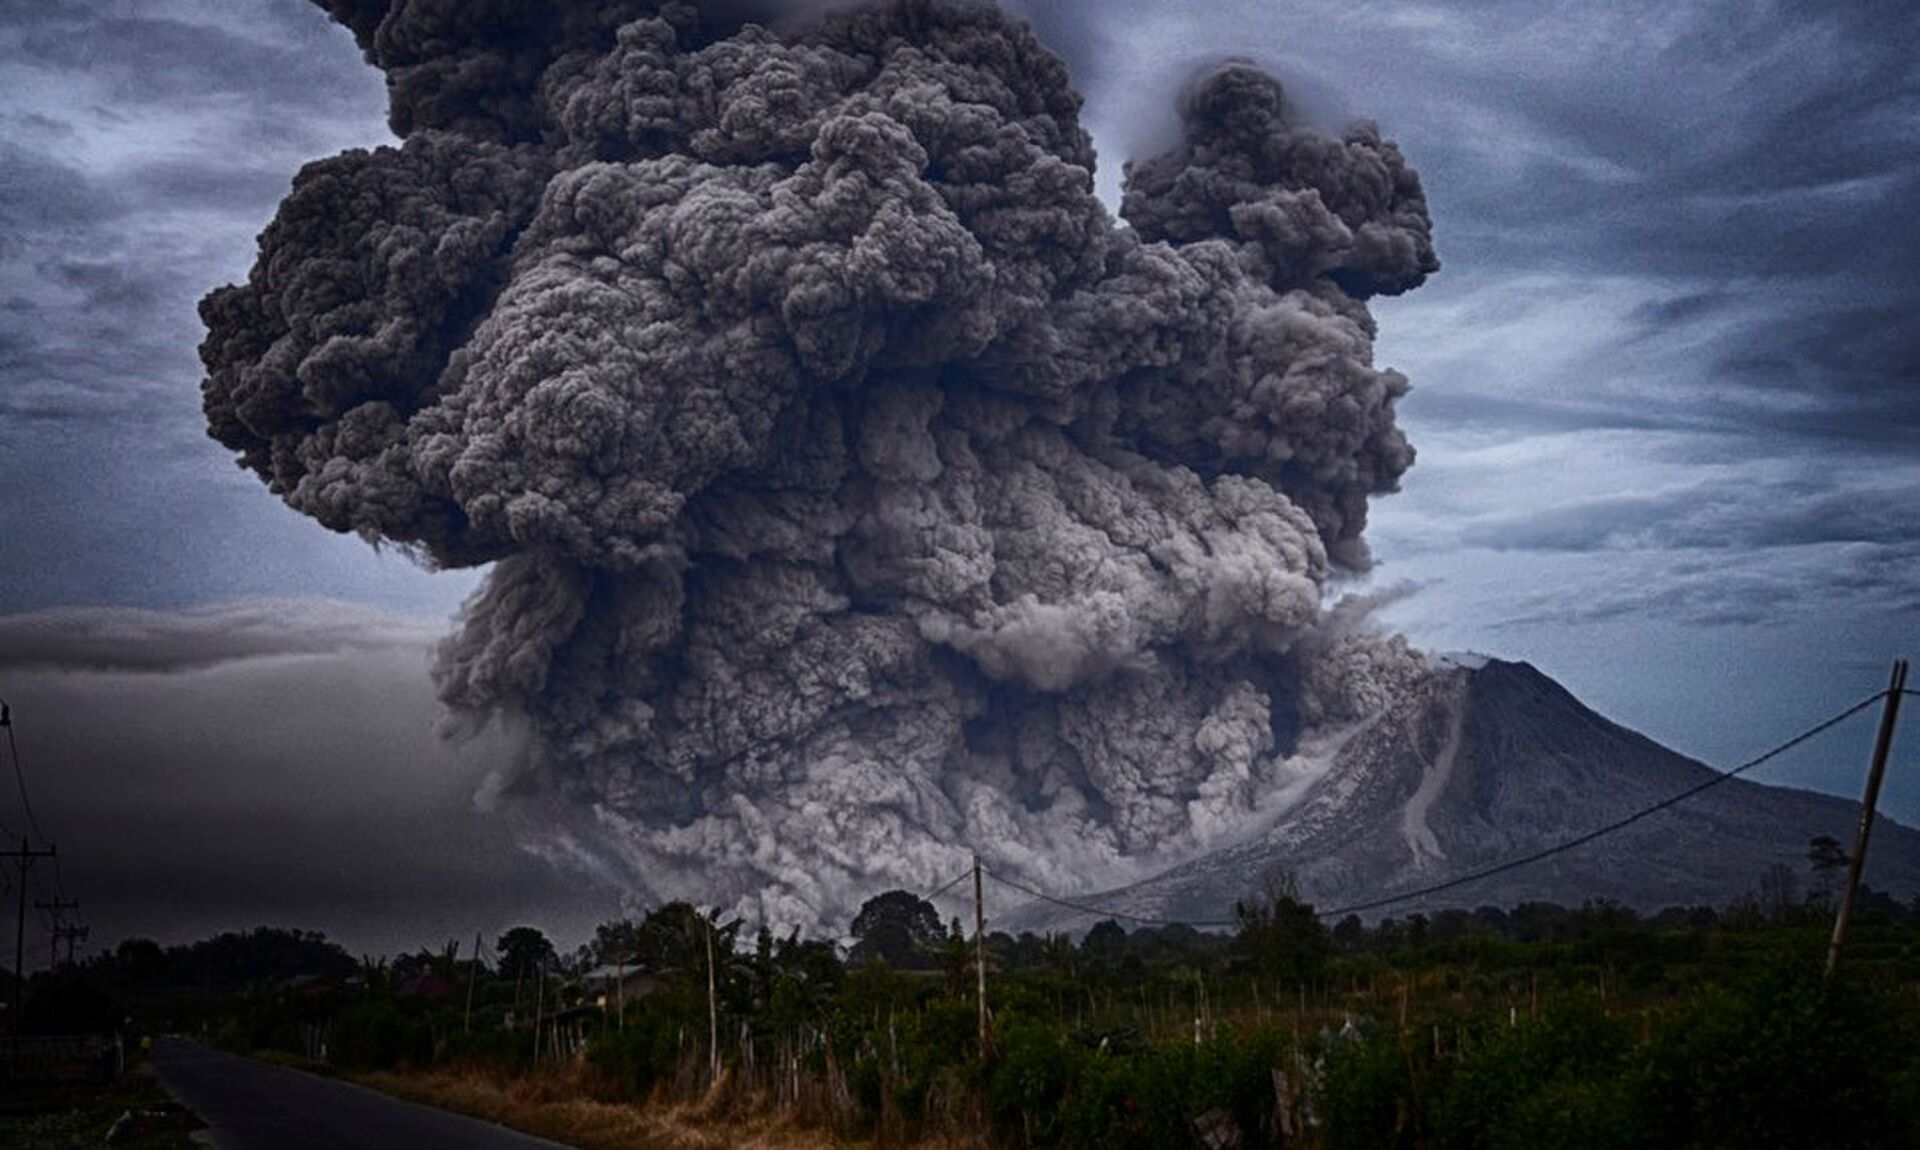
(249, 1105)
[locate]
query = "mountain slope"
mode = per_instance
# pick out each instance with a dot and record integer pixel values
(1478, 765)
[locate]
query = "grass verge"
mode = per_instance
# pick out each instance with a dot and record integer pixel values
(58, 1116)
(560, 1107)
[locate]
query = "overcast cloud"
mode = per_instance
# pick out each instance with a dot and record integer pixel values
(1667, 391)
(268, 763)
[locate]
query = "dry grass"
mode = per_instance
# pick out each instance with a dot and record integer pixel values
(55, 1116)
(560, 1106)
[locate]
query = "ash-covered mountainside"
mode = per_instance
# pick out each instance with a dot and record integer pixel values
(1474, 766)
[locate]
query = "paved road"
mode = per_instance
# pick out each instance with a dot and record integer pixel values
(251, 1105)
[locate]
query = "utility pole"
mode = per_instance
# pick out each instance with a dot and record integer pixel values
(25, 855)
(713, 1013)
(473, 975)
(57, 906)
(1882, 746)
(980, 952)
(68, 934)
(539, 1005)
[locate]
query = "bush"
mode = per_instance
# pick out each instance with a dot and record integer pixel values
(1785, 1060)
(1026, 1087)
(491, 1045)
(1560, 1081)
(639, 1056)
(1779, 1060)
(1367, 1098)
(379, 1035)
(1132, 1103)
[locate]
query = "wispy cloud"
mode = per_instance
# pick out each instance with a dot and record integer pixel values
(135, 639)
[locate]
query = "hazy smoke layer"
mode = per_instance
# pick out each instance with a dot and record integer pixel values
(859, 492)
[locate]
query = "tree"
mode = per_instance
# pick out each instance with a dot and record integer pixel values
(1106, 943)
(443, 964)
(899, 928)
(523, 950)
(1779, 893)
(1827, 858)
(141, 961)
(1539, 921)
(674, 937)
(1284, 936)
(615, 942)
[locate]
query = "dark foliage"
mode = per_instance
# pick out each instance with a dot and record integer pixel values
(1540, 1025)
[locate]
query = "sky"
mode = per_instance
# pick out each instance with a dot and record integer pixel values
(1666, 400)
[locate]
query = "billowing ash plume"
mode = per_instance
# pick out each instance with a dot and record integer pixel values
(858, 492)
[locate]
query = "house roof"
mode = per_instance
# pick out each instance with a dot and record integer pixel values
(426, 986)
(606, 974)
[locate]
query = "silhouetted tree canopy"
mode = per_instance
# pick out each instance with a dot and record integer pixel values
(899, 928)
(522, 951)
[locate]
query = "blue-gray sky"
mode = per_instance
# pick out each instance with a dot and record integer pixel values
(1667, 398)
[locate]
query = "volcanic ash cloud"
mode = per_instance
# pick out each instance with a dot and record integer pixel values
(858, 492)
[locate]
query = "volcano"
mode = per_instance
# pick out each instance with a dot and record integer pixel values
(1481, 762)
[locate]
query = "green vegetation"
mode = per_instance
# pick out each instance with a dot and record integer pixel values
(55, 1116)
(1532, 1026)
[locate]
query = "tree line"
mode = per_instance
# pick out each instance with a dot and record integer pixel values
(1534, 1024)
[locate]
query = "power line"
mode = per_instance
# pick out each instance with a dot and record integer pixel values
(26, 804)
(19, 775)
(1617, 824)
(1085, 909)
(1498, 868)
(6, 720)
(42, 901)
(948, 885)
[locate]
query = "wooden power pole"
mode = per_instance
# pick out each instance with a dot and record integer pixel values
(980, 952)
(473, 976)
(713, 1012)
(25, 856)
(539, 1005)
(57, 907)
(1882, 746)
(69, 935)
(620, 990)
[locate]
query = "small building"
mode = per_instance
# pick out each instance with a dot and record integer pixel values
(309, 986)
(424, 985)
(608, 987)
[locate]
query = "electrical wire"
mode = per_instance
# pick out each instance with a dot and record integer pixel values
(1085, 909)
(6, 720)
(1618, 824)
(1498, 868)
(20, 781)
(26, 804)
(948, 885)
(49, 918)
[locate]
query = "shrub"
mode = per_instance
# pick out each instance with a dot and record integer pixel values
(1026, 1087)
(1559, 1081)
(640, 1055)
(1367, 1098)
(1783, 1060)
(378, 1035)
